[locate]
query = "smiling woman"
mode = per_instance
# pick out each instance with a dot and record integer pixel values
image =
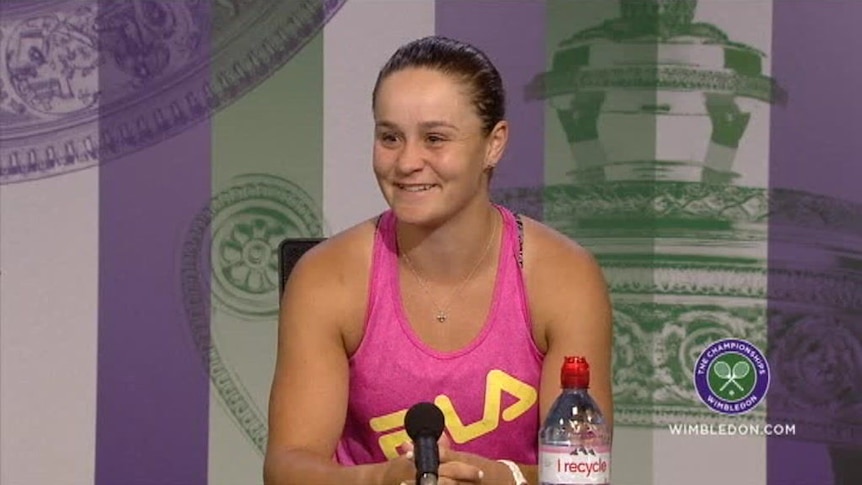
(439, 103)
(424, 119)
(446, 297)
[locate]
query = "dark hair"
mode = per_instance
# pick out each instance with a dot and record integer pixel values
(461, 60)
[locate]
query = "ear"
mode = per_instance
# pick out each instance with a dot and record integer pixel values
(497, 141)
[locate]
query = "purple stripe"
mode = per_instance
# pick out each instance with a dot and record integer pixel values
(512, 34)
(153, 386)
(815, 149)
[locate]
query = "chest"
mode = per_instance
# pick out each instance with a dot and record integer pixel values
(447, 318)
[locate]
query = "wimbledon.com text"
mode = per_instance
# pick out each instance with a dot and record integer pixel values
(729, 429)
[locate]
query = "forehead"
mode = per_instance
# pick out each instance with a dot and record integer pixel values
(419, 93)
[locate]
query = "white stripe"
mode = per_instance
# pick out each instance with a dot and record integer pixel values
(708, 460)
(692, 459)
(48, 329)
(632, 456)
(358, 42)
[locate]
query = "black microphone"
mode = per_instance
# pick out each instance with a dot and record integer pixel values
(424, 424)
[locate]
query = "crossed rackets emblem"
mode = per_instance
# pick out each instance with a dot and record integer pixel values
(731, 374)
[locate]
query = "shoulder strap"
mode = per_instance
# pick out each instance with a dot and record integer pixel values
(520, 224)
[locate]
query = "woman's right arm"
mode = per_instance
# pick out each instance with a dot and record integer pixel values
(308, 400)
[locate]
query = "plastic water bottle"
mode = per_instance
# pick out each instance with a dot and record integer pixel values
(575, 442)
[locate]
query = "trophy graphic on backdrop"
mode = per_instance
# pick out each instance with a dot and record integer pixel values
(623, 88)
(656, 108)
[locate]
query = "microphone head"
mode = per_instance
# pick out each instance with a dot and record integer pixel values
(424, 420)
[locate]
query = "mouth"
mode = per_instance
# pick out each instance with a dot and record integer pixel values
(415, 187)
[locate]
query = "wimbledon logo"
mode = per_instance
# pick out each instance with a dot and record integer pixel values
(731, 376)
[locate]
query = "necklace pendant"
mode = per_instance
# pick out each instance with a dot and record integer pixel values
(441, 317)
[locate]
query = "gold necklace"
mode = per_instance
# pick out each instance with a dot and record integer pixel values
(442, 314)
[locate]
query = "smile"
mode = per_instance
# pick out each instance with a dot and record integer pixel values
(415, 187)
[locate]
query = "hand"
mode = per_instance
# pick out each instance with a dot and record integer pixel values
(400, 469)
(453, 470)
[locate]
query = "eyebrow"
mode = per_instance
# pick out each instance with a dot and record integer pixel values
(427, 125)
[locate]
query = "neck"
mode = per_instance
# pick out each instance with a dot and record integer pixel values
(446, 253)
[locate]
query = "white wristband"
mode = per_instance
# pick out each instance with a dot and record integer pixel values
(516, 472)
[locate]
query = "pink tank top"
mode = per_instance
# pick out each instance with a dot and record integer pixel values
(488, 390)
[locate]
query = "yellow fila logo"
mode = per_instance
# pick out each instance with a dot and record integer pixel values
(496, 383)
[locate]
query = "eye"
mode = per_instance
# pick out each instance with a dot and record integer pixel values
(387, 138)
(435, 139)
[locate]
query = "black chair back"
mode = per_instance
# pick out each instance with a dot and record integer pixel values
(289, 252)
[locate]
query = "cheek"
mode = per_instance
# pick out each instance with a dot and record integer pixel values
(463, 159)
(379, 161)
(472, 162)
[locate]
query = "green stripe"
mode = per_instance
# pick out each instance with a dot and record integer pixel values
(267, 174)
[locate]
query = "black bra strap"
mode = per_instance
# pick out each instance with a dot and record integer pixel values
(520, 239)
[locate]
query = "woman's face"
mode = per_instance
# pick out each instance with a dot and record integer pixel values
(430, 152)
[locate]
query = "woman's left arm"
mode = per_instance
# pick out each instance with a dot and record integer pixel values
(572, 312)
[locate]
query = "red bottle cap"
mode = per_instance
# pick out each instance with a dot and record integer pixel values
(575, 373)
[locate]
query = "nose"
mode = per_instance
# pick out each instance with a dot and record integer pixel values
(411, 158)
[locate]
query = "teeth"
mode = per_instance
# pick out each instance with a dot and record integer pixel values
(416, 188)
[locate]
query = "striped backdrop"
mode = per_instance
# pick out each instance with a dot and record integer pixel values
(154, 153)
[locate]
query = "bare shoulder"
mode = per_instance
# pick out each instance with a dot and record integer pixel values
(561, 276)
(548, 252)
(334, 273)
(333, 260)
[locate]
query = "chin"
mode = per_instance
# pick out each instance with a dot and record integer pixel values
(417, 215)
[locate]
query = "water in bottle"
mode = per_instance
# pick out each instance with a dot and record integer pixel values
(574, 441)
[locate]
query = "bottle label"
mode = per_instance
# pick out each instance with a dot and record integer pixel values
(574, 465)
